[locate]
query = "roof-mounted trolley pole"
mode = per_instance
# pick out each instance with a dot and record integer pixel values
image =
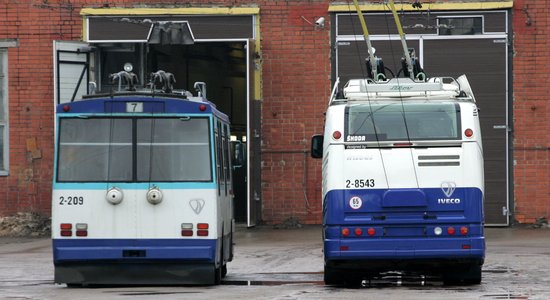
(403, 41)
(372, 58)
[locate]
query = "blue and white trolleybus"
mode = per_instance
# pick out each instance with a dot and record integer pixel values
(142, 190)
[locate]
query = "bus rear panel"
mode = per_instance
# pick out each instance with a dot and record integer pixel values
(141, 192)
(403, 189)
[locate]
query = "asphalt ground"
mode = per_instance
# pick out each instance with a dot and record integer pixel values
(274, 263)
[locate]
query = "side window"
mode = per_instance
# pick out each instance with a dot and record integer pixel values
(218, 156)
(3, 111)
(225, 156)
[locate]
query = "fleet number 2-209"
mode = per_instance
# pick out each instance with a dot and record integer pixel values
(71, 200)
(359, 183)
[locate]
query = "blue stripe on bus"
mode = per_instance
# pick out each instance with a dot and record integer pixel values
(403, 206)
(134, 186)
(158, 106)
(83, 249)
(104, 114)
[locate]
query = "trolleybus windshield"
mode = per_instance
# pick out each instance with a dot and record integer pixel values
(402, 121)
(134, 150)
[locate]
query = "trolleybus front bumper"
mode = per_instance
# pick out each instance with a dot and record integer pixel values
(134, 261)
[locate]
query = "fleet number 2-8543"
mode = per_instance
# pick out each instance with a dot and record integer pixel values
(71, 200)
(360, 183)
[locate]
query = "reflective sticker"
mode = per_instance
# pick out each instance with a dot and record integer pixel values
(355, 202)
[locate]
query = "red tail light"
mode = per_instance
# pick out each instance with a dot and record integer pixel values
(202, 229)
(371, 231)
(358, 231)
(336, 135)
(202, 232)
(345, 231)
(81, 233)
(464, 230)
(451, 230)
(66, 229)
(468, 133)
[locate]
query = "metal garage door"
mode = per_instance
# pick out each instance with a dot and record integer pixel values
(483, 57)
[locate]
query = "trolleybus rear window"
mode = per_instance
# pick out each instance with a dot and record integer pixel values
(134, 150)
(402, 122)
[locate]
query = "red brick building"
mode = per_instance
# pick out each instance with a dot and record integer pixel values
(279, 69)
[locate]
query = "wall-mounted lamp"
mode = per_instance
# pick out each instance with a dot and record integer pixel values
(319, 22)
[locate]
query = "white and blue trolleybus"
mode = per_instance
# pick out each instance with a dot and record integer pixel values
(402, 180)
(142, 189)
(402, 174)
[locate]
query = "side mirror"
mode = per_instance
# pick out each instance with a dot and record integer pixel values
(317, 146)
(237, 154)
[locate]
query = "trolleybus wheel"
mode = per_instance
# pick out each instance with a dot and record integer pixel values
(469, 276)
(332, 277)
(224, 270)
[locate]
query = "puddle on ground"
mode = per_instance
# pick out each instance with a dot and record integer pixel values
(269, 283)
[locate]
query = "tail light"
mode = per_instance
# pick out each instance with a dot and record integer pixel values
(451, 230)
(358, 231)
(202, 229)
(66, 229)
(186, 229)
(81, 229)
(468, 133)
(345, 231)
(464, 230)
(371, 231)
(336, 135)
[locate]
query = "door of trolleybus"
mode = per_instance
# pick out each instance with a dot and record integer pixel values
(402, 188)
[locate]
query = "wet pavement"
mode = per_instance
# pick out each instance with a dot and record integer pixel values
(288, 264)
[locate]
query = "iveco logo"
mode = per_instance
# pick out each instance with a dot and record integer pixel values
(448, 201)
(448, 188)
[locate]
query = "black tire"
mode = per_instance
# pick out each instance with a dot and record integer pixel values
(469, 276)
(224, 270)
(217, 275)
(332, 277)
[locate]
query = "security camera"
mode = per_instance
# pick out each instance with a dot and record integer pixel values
(320, 22)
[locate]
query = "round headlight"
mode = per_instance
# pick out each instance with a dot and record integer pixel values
(154, 195)
(114, 195)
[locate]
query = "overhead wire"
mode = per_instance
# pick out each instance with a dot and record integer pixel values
(366, 77)
(408, 61)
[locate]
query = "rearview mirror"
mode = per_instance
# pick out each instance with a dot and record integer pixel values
(317, 146)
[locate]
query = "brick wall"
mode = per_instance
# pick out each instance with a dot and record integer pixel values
(296, 86)
(35, 25)
(531, 108)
